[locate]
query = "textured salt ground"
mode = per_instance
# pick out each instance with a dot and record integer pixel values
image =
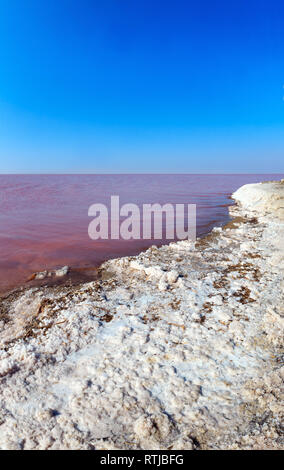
(177, 348)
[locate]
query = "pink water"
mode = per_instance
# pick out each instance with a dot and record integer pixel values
(44, 218)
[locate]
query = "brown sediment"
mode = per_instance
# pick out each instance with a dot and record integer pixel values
(175, 304)
(242, 269)
(150, 319)
(107, 317)
(244, 295)
(208, 307)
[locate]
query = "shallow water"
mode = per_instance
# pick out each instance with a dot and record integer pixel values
(44, 218)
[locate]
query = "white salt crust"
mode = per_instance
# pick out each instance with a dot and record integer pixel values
(177, 348)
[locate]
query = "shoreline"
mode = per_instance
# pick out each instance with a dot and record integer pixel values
(78, 276)
(179, 346)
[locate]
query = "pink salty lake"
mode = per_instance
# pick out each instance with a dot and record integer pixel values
(44, 218)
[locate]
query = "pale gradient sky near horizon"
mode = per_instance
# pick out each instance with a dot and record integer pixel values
(141, 86)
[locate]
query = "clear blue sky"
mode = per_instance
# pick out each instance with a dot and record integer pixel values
(141, 86)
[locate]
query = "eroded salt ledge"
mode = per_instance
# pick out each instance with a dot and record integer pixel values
(177, 348)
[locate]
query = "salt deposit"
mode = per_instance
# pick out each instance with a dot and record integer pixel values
(61, 272)
(177, 348)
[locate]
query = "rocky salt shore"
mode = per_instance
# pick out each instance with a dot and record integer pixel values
(177, 348)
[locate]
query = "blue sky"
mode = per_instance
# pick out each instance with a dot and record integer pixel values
(141, 86)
